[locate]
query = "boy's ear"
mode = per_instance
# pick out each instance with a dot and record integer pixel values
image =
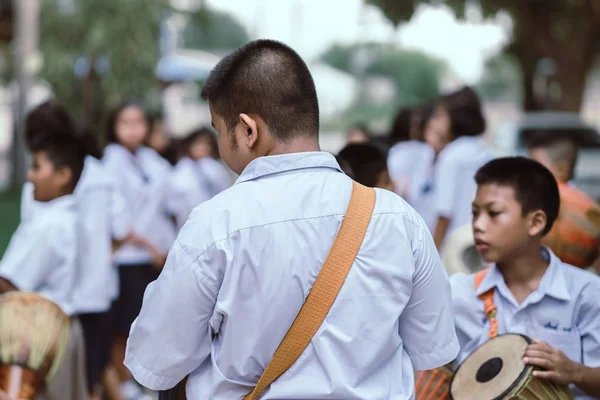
(537, 222)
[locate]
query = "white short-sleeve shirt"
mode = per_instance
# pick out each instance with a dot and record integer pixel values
(402, 158)
(42, 253)
(454, 179)
(102, 217)
(143, 180)
(564, 312)
(243, 264)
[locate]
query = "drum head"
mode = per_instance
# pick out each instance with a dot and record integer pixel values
(493, 370)
(459, 253)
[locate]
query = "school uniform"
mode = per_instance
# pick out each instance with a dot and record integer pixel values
(143, 181)
(401, 161)
(454, 182)
(102, 217)
(421, 189)
(42, 257)
(564, 312)
(242, 266)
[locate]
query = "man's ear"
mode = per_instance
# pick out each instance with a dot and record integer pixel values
(250, 130)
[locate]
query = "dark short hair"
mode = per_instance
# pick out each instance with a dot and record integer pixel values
(466, 114)
(50, 129)
(534, 185)
(267, 78)
(200, 133)
(113, 118)
(559, 148)
(366, 161)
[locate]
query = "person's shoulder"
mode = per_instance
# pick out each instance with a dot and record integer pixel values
(581, 281)
(150, 155)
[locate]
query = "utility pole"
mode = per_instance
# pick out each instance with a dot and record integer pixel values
(26, 37)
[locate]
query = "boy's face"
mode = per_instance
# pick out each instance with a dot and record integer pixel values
(49, 182)
(384, 181)
(500, 229)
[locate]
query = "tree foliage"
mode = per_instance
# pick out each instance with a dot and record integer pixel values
(125, 32)
(568, 31)
(207, 29)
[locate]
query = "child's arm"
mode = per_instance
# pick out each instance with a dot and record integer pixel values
(561, 369)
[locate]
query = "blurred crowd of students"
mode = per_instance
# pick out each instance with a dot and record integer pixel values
(96, 225)
(431, 154)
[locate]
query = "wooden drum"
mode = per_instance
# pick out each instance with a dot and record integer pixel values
(496, 371)
(433, 384)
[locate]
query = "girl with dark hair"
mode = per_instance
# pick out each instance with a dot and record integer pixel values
(459, 123)
(198, 176)
(143, 179)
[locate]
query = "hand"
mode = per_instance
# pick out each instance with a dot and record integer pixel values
(137, 240)
(557, 367)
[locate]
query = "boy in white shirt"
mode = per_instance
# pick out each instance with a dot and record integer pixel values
(42, 254)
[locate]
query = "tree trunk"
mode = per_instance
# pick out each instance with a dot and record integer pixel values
(569, 80)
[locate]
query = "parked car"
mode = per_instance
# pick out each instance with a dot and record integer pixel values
(512, 139)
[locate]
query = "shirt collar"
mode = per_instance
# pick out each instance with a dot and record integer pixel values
(270, 165)
(62, 202)
(553, 282)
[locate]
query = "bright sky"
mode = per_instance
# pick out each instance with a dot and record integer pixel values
(310, 26)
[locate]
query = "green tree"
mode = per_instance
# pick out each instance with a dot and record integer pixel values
(126, 33)
(501, 78)
(567, 31)
(207, 29)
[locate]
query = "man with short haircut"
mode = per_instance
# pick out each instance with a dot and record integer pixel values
(242, 266)
(575, 237)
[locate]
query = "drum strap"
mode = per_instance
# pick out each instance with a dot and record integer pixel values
(489, 308)
(325, 289)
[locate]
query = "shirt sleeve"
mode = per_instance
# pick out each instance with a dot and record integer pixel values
(427, 323)
(172, 336)
(445, 184)
(589, 327)
(27, 201)
(29, 258)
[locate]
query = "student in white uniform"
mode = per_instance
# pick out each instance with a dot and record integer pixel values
(243, 264)
(142, 177)
(408, 146)
(198, 176)
(102, 223)
(42, 255)
(458, 162)
(535, 293)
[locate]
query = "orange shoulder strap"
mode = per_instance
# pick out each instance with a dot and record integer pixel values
(489, 308)
(325, 289)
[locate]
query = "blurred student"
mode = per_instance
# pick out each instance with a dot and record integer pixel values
(159, 140)
(198, 176)
(575, 237)
(142, 177)
(459, 114)
(103, 223)
(408, 146)
(368, 164)
(42, 255)
(358, 133)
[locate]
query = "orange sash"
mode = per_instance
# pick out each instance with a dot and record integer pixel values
(489, 308)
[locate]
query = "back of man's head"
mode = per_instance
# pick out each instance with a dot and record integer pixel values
(558, 154)
(268, 79)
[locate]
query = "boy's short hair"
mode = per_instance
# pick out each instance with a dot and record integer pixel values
(559, 148)
(270, 79)
(366, 161)
(50, 129)
(534, 185)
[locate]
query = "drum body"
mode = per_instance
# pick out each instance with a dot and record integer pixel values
(496, 371)
(459, 253)
(433, 384)
(34, 333)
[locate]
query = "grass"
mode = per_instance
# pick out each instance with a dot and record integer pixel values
(9, 216)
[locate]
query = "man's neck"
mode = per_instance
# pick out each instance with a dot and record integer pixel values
(298, 145)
